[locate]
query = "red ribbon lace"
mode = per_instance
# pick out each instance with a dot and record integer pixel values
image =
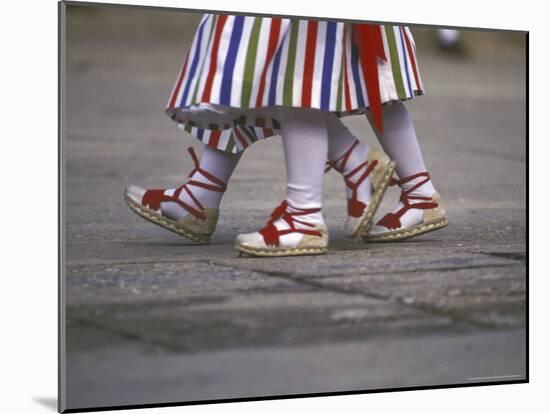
(271, 234)
(355, 207)
(153, 198)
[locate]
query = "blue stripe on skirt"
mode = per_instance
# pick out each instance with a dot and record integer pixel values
(274, 76)
(227, 80)
(405, 59)
(355, 72)
(330, 45)
(194, 65)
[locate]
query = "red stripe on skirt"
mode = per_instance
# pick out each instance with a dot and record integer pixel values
(178, 83)
(411, 57)
(274, 31)
(346, 80)
(309, 63)
(213, 59)
(214, 139)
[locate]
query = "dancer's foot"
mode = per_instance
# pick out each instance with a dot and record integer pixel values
(367, 173)
(290, 231)
(180, 210)
(417, 213)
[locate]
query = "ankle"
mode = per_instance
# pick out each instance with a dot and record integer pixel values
(312, 216)
(424, 190)
(417, 184)
(308, 214)
(354, 168)
(305, 200)
(354, 155)
(202, 189)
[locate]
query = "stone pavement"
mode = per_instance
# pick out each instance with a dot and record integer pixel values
(151, 318)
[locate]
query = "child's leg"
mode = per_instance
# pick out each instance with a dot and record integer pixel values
(401, 144)
(213, 162)
(297, 226)
(366, 172)
(305, 145)
(419, 209)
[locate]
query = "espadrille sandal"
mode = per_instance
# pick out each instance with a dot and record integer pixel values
(267, 242)
(390, 228)
(380, 169)
(198, 225)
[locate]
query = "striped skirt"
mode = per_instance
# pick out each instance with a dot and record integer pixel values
(239, 69)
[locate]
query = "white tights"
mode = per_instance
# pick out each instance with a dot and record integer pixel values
(401, 144)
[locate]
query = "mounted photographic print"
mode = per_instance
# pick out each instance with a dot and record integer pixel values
(259, 207)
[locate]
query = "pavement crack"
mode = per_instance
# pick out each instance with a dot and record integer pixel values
(453, 316)
(126, 335)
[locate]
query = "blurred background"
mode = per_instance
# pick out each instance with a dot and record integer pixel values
(152, 319)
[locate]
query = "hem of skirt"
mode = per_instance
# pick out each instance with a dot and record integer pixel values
(238, 145)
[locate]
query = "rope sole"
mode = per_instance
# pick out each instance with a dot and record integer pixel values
(171, 225)
(366, 220)
(407, 233)
(245, 251)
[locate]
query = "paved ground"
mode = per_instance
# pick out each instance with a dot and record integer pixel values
(151, 318)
